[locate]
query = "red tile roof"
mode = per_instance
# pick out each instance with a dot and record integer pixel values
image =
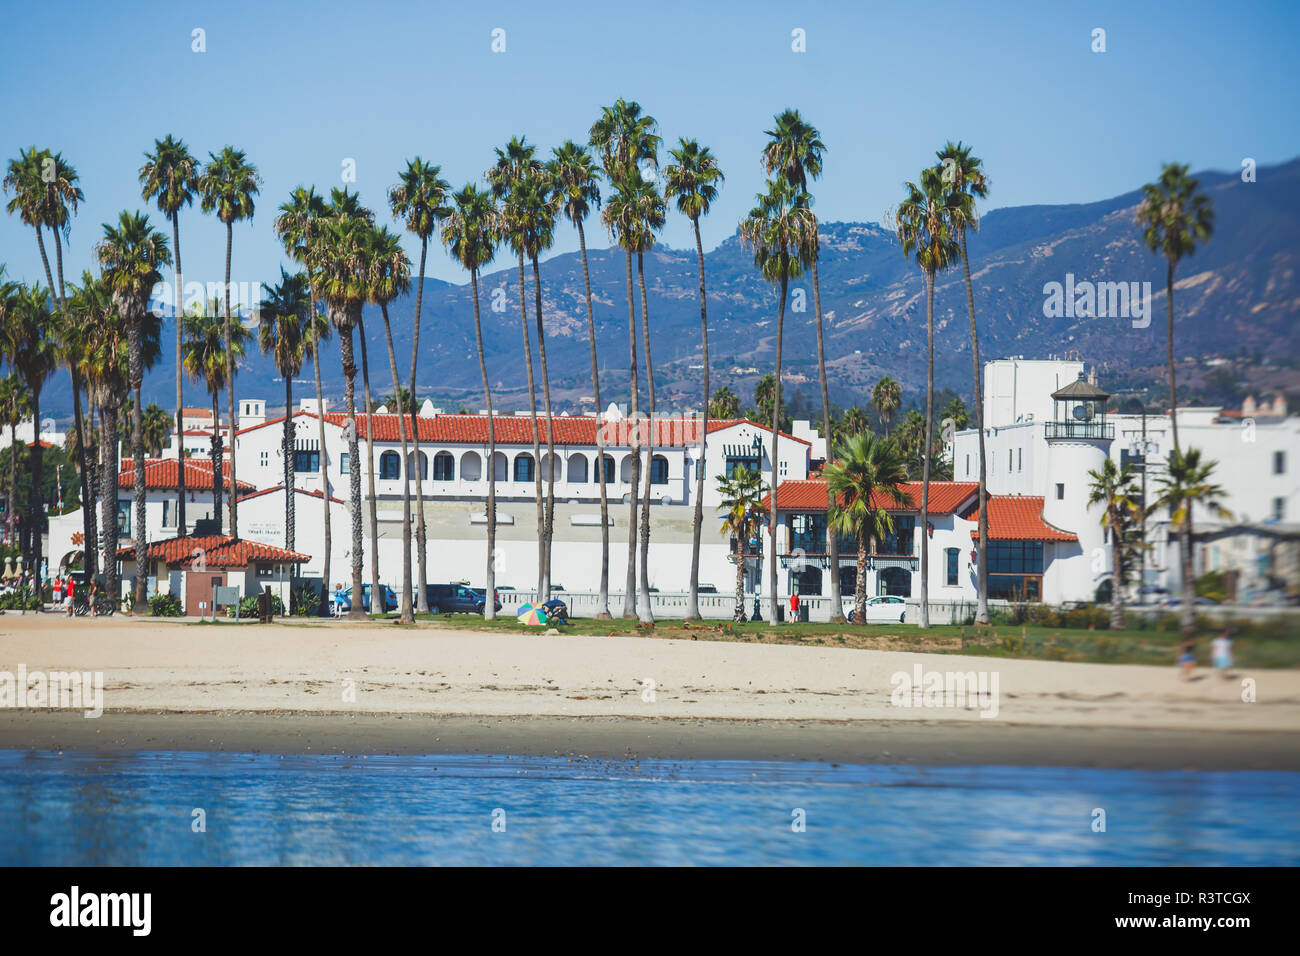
(219, 552)
(518, 429)
(945, 496)
(302, 491)
(160, 474)
(1018, 518)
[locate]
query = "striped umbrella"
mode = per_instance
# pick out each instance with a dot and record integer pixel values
(531, 615)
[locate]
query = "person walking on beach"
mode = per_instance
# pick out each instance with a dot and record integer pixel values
(338, 600)
(1221, 654)
(1187, 659)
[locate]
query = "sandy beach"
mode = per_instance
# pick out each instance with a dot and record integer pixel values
(375, 687)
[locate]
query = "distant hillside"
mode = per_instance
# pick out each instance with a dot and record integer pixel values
(1241, 293)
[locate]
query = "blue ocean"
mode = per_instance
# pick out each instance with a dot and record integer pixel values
(226, 809)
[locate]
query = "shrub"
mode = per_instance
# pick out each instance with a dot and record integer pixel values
(248, 606)
(165, 605)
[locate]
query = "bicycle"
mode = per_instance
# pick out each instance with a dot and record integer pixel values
(103, 606)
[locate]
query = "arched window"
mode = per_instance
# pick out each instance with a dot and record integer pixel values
(896, 581)
(471, 466)
(553, 469)
(500, 468)
(609, 470)
(578, 470)
(444, 466)
(390, 465)
(524, 467)
(659, 470)
(627, 470)
(423, 469)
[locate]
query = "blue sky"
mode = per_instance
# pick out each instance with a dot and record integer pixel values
(302, 87)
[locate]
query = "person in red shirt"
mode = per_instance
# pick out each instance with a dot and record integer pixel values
(794, 605)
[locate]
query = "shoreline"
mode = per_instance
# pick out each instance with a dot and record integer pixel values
(912, 742)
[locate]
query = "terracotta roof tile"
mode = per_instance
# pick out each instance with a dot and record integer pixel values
(302, 491)
(160, 474)
(1018, 518)
(218, 551)
(945, 496)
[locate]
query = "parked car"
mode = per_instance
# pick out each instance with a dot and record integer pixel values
(458, 599)
(707, 589)
(390, 599)
(885, 609)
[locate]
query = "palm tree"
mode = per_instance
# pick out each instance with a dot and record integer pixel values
(925, 234)
(284, 319)
(339, 258)
(963, 175)
(1185, 485)
(778, 230)
(864, 481)
(170, 177)
(886, 397)
(131, 255)
(692, 180)
(34, 357)
(205, 353)
(794, 151)
(74, 345)
(156, 425)
(296, 226)
(471, 232)
(15, 407)
(853, 422)
(390, 276)
(227, 186)
(576, 181)
(742, 511)
(1114, 489)
(421, 201)
(624, 137)
(724, 404)
(1174, 215)
(515, 166)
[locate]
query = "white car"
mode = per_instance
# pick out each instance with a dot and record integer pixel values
(886, 609)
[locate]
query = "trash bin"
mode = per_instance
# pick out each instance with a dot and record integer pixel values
(780, 614)
(803, 613)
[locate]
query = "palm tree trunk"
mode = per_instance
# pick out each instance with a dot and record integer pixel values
(35, 501)
(218, 466)
(693, 598)
(629, 589)
(407, 610)
(776, 436)
(549, 530)
(180, 394)
(602, 603)
(537, 448)
(860, 585)
(489, 603)
(141, 604)
(738, 615)
(230, 394)
(644, 612)
(925, 460)
(354, 471)
(108, 497)
(322, 460)
(13, 485)
(89, 550)
(377, 602)
(421, 595)
(832, 539)
(982, 571)
(1187, 622)
(1173, 389)
(287, 441)
(1116, 579)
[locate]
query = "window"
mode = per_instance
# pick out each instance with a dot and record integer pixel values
(848, 582)
(309, 462)
(1060, 491)
(524, 468)
(345, 464)
(444, 467)
(1011, 459)
(781, 469)
(609, 470)
(1015, 570)
(659, 470)
(1279, 508)
(895, 581)
(736, 461)
(901, 541)
(264, 458)
(968, 466)
(951, 554)
(808, 581)
(390, 465)
(124, 518)
(169, 513)
(1020, 459)
(1279, 462)
(808, 533)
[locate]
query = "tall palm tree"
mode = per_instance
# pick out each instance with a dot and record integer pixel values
(1115, 490)
(156, 424)
(284, 316)
(170, 177)
(515, 168)
(742, 511)
(852, 422)
(864, 481)
(34, 357)
(339, 259)
(420, 200)
(576, 181)
(925, 234)
(296, 225)
(390, 276)
(886, 397)
(794, 151)
(1174, 216)
(471, 232)
(74, 346)
(963, 175)
(132, 254)
(227, 186)
(15, 407)
(624, 137)
(724, 404)
(1185, 485)
(204, 360)
(692, 180)
(778, 229)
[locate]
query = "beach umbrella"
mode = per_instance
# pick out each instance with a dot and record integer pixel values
(531, 615)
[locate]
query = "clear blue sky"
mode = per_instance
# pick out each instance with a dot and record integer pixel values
(302, 86)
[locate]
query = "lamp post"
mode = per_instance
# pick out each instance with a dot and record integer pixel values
(1140, 449)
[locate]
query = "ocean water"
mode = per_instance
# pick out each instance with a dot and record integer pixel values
(138, 809)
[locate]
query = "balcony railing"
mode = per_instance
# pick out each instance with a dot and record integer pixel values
(1090, 430)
